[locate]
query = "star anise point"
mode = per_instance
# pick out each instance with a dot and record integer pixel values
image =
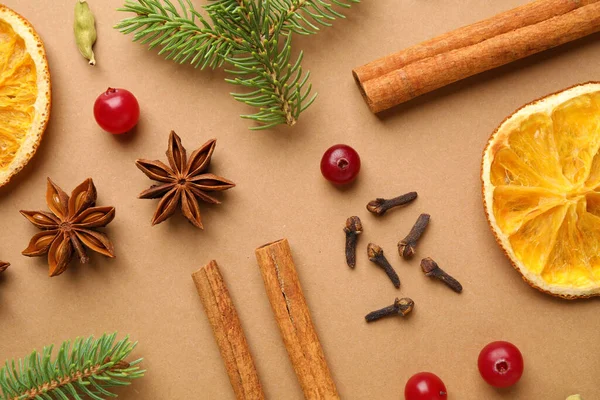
(3, 266)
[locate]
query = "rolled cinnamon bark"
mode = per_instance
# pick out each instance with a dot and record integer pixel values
(228, 332)
(292, 315)
(470, 50)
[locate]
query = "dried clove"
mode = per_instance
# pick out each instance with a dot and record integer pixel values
(353, 228)
(433, 270)
(380, 206)
(406, 247)
(376, 256)
(400, 307)
(4, 266)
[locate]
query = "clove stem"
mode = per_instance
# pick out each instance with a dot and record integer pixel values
(432, 269)
(380, 206)
(353, 228)
(376, 256)
(400, 307)
(406, 247)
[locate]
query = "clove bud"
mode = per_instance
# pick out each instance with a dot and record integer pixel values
(3, 266)
(376, 256)
(353, 228)
(380, 206)
(406, 247)
(84, 28)
(400, 307)
(431, 269)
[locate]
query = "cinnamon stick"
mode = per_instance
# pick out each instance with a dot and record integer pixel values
(228, 332)
(470, 50)
(293, 317)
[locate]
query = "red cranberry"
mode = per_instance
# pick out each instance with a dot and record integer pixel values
(500, 364)
(340, 164)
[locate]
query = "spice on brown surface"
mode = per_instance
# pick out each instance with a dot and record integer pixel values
(228, 332)
(353, 228)
(380, 206)
(401, 307)
(432, 269)
(506, 37)
(69, 227)
(294, 320)
(406, 247)
(376, 256)
(184, 182)
(84, 29)
(3, 266)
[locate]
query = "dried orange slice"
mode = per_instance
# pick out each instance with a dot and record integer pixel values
(541, 188)
(24, 92)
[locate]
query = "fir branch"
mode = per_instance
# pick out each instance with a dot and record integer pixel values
(253, 36)
(84, 370)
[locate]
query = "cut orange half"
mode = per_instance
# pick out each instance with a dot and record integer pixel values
(541, 188)
(24, 92)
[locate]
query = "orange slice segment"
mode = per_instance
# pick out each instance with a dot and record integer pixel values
(508, 169)
(589, 224)
(541, 188)
(536, 239)
(593, 179)
(24, 92)
(516, 205)
(593, 203)
(535, 136)
(576, 124)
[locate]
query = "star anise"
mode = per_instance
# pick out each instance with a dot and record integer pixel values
(184, 183)
(69, 227)
(3, 266)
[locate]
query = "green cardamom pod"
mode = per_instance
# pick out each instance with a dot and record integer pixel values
(84, 28)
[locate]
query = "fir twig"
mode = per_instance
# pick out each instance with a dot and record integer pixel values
(253, 36)
(84, 369)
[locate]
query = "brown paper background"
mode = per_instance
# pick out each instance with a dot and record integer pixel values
(432, 145)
